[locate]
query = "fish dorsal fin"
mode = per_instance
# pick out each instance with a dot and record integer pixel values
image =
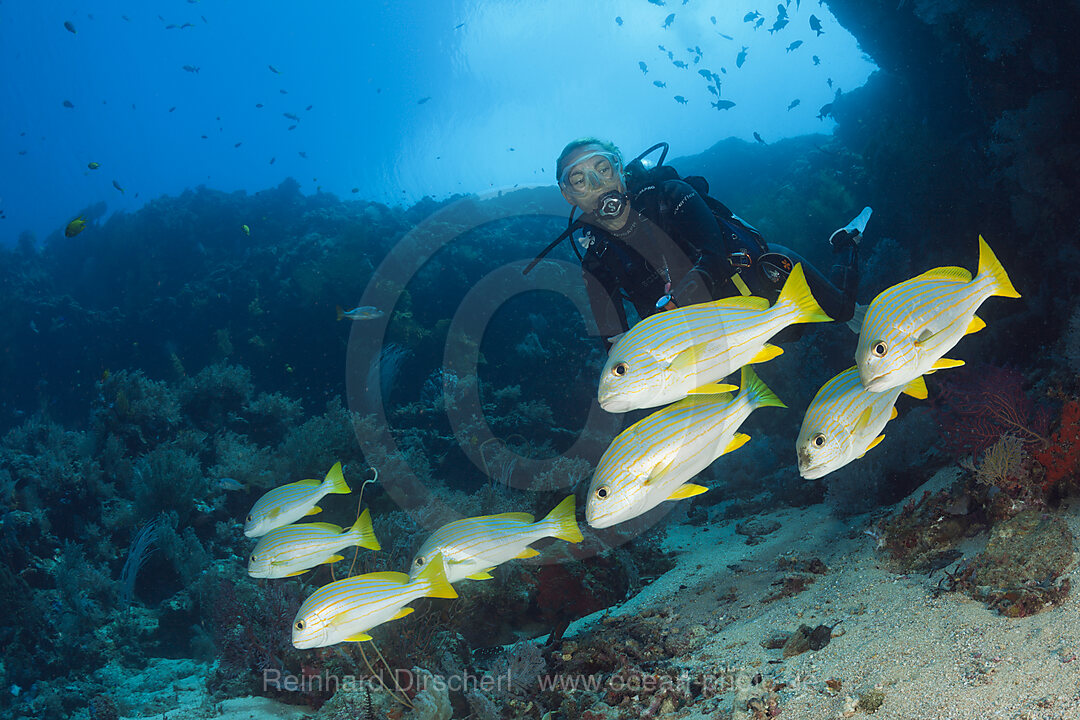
(388, 576)
(975, 325)
(526, 553)
(715, 388)
(893, 414)
(767, 353)
(958, 274)
(482, 575)
(945, 363)
(864, 419)
(744, 302)
(329, 527)
(401, 613)
(687, 490)
(358, 637)
(523, 517)
(737, 442)
(313, 511)
(916, 389)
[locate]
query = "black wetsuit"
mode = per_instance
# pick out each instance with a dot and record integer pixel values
(673, 244)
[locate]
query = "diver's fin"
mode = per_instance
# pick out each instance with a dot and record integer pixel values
(526, 553)
(482, 575)
(767, 353)
(975, 325)
(687, 490)
(737, 442)
(945, 363)
(715, 388)
(401, 613)
(916, 389)
(857, 318)
(989, 265)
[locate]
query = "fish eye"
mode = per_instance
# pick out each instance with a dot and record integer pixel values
(602, 492)
(249, 518)
(879, 349)
(299, 624)
(419, 562)
(621, 369)
(252, 558)
(818, 440)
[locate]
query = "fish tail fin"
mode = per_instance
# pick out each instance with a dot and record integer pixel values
(364, 533)
(340, 312)
(335, 481)
(563, 521)
(435, 576)
(796, 293)
(989, 265)
(757, 392)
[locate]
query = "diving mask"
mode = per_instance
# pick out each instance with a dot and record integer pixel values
(592, 172)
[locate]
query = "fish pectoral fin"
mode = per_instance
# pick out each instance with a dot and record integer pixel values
(863, 420)
(313, 511)
(916, 389)
(737, 442)
(401, 613)
(658, 471)
(975, 325)
(687, 490)
(482, 575)
(358, 637)
(767, 353)
(526, 553)
(686, 359)
(925, 335)
(945, 363)
(713, 389)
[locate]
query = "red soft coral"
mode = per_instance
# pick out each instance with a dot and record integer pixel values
(1060, 457)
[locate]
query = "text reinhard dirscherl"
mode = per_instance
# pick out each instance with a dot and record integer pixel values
(725, 680)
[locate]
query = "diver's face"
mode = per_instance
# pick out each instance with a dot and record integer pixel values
(589, 174)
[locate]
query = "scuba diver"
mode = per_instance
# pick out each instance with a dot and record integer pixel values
(660, 241)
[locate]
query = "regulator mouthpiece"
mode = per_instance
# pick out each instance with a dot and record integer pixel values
(611, 204)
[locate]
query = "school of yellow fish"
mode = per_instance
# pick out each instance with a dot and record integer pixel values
(681, 357)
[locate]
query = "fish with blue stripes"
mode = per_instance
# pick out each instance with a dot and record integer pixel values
(845, 420)
(288, 503)
(655, 458)
(295, 549)
(909, 327)
(473, 547)
(345, 610)
(674, 353)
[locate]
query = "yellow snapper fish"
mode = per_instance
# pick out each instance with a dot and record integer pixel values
(345, 610)
(472, 547)
(909, 327)
(844, 421)
(288, 503)
(672, 354)
(654, 459)
(295, 549)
